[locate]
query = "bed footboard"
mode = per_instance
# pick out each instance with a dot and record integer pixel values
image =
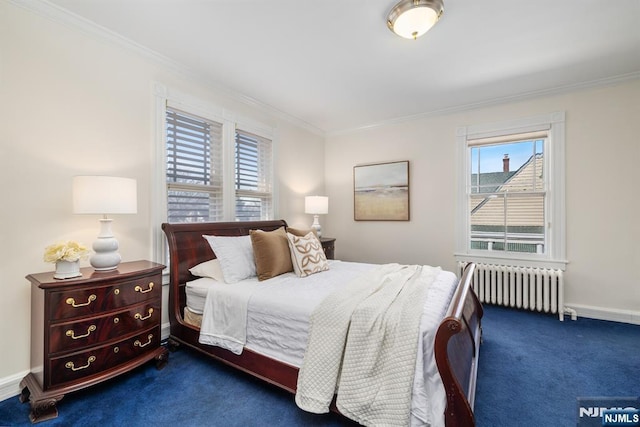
(456, 350)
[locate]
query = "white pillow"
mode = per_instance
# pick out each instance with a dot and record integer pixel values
(307, 255)
(235, 254)
(210, 269)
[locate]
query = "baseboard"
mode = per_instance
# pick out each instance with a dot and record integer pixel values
(10, 386)
(165, 331)
(601, 313)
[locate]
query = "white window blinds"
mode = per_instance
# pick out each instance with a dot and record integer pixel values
(194, 168)
(253, 177)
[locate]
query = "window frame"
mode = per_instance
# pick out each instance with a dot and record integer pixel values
(554, 167)
(165, 97)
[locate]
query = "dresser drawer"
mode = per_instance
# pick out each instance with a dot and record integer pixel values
(92, 362)
(72, 303)
(70, 336)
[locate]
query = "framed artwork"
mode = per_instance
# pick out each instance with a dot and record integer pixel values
(381, 192)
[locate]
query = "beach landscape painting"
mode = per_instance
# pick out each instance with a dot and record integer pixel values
(381, 192)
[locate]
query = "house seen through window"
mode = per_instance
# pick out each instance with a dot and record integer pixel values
(507, 196)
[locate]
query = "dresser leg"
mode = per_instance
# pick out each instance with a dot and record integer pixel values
(44, 409)
(43, 404)
(162, 359)
(24, 395)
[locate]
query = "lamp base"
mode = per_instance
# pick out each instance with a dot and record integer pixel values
(106, 255)
(103, 261)
(316, 226)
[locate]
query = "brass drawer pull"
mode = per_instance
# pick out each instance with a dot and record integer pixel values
(139, 316)
(137, 343)
(72, 334)
(70, 365)
(139, 288)
(72, 302)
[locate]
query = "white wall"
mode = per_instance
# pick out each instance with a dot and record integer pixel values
(76, 103)
(602, 174)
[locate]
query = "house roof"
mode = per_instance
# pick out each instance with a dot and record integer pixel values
(525, 207)
(489, 181)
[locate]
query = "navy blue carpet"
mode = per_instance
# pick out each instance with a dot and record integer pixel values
(532, 370)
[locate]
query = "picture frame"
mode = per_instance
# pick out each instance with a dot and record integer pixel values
(381, 191)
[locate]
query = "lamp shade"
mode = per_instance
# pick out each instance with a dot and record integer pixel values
(316, 205)
(104, 195)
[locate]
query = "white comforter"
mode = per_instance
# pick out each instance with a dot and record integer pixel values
(364, 337)
(277, 324)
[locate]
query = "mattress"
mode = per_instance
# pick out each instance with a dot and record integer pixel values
(197, 294)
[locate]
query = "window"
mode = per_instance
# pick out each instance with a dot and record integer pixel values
(507, 195)
(201, 186)
(194, 168)
(511, 197)
(252, 177)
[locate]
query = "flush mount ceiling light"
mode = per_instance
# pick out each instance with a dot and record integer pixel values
(412, 18)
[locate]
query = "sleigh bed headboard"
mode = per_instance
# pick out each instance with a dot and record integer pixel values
(188, 248)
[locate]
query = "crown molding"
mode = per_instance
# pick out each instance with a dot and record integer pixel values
(607, 81)
(90, 28)
(69, 19)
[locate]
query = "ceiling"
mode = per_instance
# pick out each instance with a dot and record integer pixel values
(334, 66)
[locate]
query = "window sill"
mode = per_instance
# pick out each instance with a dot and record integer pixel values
(512, 260)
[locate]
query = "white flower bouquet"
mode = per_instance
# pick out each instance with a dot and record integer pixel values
(65, 251)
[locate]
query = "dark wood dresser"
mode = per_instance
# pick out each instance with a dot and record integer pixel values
(90, 329)
(329, 246)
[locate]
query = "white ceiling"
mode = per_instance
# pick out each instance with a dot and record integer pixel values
(335, 66)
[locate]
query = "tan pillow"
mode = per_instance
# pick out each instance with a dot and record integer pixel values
(307, 254)
(271, 252)
(302, 232)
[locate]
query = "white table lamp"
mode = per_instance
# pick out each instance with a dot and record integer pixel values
(316, 205)
(105, 195)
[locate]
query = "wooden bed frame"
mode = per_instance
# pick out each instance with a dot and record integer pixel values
(457, 339)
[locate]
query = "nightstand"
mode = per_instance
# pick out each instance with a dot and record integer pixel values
(90, 329)
(329, 246)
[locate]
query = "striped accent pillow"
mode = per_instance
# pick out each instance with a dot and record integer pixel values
(307, 255)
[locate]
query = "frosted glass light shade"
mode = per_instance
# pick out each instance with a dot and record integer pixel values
(104, 195)
(412, 18)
